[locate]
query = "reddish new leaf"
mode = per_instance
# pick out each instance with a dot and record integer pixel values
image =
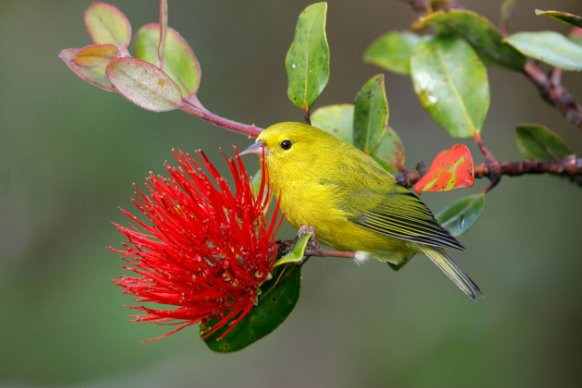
(450, 169)
(93, 75)
(107, 25)
(96, 55)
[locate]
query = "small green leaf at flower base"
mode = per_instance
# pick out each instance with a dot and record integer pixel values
(549, 47)
(307, 60)
(337, 120)
(94, 75)
(562, 17)
(451, 169)
(480, 33)
(277, 300)
(451, 83)
(144, 84)
(96, 55)
(180, 63)
(461, 215)
(106, 24)
(392, 51)
(539, 143)
(296, 253)
(371, 115)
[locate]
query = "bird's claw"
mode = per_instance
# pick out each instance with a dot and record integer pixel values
(313, 244)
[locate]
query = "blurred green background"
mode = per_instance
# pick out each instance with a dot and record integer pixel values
(69, 153)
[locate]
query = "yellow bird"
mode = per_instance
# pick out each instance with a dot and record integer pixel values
(352, 203)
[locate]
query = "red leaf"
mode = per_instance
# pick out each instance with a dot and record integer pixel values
(96, 55)
(450, 169)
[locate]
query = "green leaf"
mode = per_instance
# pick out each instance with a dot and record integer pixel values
(144, 84)
(93, 75)
(276, 302)
(337, 120)
(480, 33)
(370, 115)
(390, 151)
(106, 24)
(539, 143)
(452, 84)
(562, 17)
(307, 60)
(460, 216)
(392, 51)
(179, 60)
(296, 253)
(575, 35)
(549, 47)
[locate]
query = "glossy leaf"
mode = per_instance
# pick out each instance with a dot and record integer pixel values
(539, 143)
(179, 60)
(549, 47)
(370, 115)
(278, 298)
(390, 151)
(144, 84)
(575, 35)
(106, 24)
(562, 17)
(451, 169)
(93, 75)
(307, 60)
(296, 253)
(392, 51)
(461, 215)
(337, 120)
(480, 33)
(452, 84)
(96, 55)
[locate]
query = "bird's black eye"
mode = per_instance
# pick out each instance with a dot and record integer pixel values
(286, 144)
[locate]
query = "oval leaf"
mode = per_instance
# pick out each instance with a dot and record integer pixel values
(337, 120)
(480, 33)
(452, 84)
(390, 151)
(562, 17)
(450, 169)
(106, 24)
(539, 143)
(94, 75)
(549, 47)
(307, 60)
(370, 115)
(180, 63)
(144, 84)
(460, 216)
(392, 51)
(96, 55)
(279, 297)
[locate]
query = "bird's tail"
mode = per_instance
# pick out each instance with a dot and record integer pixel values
(452, 270)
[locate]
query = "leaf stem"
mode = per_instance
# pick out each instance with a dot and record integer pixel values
(199, 111)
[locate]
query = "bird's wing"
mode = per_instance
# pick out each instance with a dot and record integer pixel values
(402, 215)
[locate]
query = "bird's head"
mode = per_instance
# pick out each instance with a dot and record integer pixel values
(285, 142)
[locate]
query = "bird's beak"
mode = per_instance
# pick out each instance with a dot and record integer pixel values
(258, 148)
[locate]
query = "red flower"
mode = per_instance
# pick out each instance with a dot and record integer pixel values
(208, 250)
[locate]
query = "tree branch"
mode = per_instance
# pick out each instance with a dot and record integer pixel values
(554, 93)
(570, 167)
